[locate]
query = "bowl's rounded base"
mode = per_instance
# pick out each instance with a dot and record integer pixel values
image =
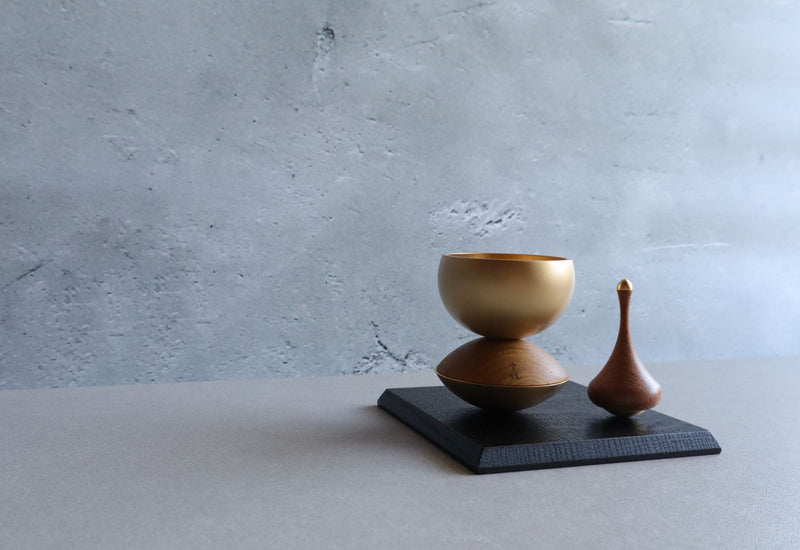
(501, 375)
(500, 398)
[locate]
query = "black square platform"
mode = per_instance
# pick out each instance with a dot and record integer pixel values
(565, 430)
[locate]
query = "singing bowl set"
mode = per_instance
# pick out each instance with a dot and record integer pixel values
(507, 297)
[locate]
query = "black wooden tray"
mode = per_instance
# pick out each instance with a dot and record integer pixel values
(565, 430)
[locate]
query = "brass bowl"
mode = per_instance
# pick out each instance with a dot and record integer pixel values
(502, 375)
(505, 295)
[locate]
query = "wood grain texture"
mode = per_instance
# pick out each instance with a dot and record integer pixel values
(624, 387)
(500, 398)
(566, 430)
(502, 363)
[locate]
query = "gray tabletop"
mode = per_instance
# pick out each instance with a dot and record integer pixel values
(313, 463)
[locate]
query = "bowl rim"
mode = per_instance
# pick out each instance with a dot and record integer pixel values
(505, 256)
(529, 386)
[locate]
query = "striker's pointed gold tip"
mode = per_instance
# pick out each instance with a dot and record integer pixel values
(625, 284)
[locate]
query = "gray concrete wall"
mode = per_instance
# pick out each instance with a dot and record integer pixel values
(203, 190)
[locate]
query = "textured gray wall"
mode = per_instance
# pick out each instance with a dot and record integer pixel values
(202, 190)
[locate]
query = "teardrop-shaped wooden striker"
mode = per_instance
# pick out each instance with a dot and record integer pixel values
(624, 387)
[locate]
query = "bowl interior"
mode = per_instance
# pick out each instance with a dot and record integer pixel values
(505, 256)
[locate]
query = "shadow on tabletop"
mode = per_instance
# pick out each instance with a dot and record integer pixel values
(407, 441)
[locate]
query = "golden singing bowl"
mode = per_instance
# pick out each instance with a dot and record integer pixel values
(503, 375)
(505, 295)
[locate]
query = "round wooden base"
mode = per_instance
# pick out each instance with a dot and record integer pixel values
(503, 375)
